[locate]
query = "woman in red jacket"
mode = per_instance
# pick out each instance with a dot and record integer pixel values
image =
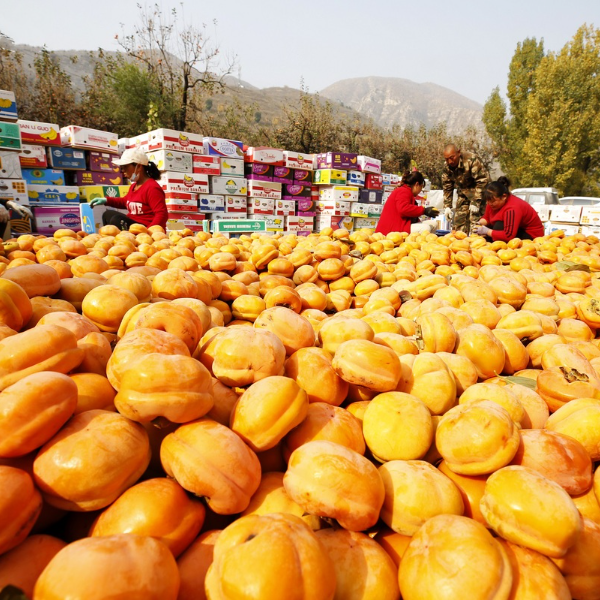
(401, 210)
(508, 217)
(145, 200)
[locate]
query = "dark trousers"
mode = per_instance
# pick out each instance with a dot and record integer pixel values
(114, 217)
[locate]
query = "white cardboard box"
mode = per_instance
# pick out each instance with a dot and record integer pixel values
(232, 167)
(171, 160)
(565, 214)
(568, 228)
(543, 211)
(10, 165)
(334, 222)
(14, 189)
(590, 215)
(356, 178)
(296, 160)
(591, 231)
(90, 139)
(264, 189)
(208, 165)
(274, 223)
(229, 186)
(369, 165)
(236, 204)
(221, 147)
(211, 203)
(169, 139)
(365, 223)
(182, 204)
(293, 223)
(267, 156)
(191, 183)
(336, 208)
(359, 209)
(261, 206)
(345, 193)
(285, 207)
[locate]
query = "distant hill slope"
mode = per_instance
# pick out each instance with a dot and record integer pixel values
(392, 100)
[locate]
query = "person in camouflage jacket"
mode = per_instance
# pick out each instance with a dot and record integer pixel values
(464, 172)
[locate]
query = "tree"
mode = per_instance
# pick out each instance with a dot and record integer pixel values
(12, 75)
(179, 61)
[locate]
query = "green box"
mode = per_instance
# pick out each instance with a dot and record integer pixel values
(10, 136)
(241, 226)
(89, 192)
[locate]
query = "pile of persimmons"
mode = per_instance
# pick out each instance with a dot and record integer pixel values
(343, 415)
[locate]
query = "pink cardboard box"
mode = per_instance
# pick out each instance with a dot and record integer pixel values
(50, 218)
(303, 177)
(369, 165)
(258, 172)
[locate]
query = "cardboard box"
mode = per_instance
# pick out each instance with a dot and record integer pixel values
(590, 215)
(568, 228)
(191, 183)
(139, 141)
(102, 162)
(211, 203)
(98, 178)
(43, 134)
(565, 214)
(8, 106)
(335, 208)
(375, 210)
(48, 219)
(339, 192)
(306, 205)
(258, 172)
(371, 196)
(122, 145)
(33, 157)
(263, 154)
(236, 204)
(169, 139)
(358, 209)
(303, 177)
(283, 175)
(298, 223)
(356, 178)
(373, 181)
(285, 207)
(297, 160)
(182, 204)
(52, 194)
(330, 177)
(10, 136)
(274, 223)
(232, 167)
(335, 222)
(89, 192)
(14, 189)
(264, 189)
(220, 147)
(229, 186)
(543, 211)
(261, 206)
(66, 158)
(10, 165)
(91, 217)
(196, 224)
(365, 223)
(590, 230)
(44, 176)
(369, 165)
(90, 139)
(206, 165)
(295, 191)
(231, 216)
(337, 160)
(171, 160)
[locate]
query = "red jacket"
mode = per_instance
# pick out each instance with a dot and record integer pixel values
(399, 212)
(146, 205)
(516, 219)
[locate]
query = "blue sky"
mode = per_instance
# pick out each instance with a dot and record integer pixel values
(463, 45)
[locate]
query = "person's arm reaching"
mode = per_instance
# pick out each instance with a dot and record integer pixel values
(117, 202)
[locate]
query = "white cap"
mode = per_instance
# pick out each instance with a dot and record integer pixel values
(130, 157)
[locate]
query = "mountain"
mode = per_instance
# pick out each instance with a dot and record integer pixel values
(392, 100)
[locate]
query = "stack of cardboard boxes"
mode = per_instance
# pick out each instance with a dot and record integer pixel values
(12, 185)
(570, 219)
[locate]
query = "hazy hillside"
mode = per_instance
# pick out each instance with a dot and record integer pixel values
(391, 100)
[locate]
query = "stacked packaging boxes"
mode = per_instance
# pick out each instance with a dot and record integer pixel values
(12, 185)
(570, 219)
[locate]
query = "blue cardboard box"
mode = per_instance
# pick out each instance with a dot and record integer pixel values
(66, 158)
(44, 177)
(52, 194)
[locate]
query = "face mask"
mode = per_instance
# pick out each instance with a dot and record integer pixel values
(134, 177)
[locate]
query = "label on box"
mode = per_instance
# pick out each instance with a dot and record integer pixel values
(44, 176)
(50, 218)
(98, 178)
(565, 214)
(264, 189)
(337, 160)
(297, 223)
(182, 204)
(229, 216)
(102, 162)
(171, 160)
(330, 177)
(169, 139)
(371, 196)
(263, 154)
(261, 206)
(294, 190)
(83, 137)
(236, 204)
(283, 175)
(375, 210)
(191, 183)
(221, 147)
(89, 192)
(369, 165)
(10, 165)
(44, 134)
(595, 231)
(335, 222)
(356, 178)
(339, 192)
(297, 160)
(207, 165)
(373, 181)
(335, 208)
(33, 157)
(590, 215)
(239, 225)
(66, 158)
(14, 189)
(285, 207)
(358, 209)
(8, 106)
(211, 203)
(303, 177)
(306, 205)
(232, 167)
(258, 172)
(365, 223)
(10, 136)
(229, 186)
(52, 194)
(273, 222)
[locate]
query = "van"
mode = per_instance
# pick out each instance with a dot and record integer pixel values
(537, 196)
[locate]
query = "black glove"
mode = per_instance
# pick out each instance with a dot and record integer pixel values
(431, 212)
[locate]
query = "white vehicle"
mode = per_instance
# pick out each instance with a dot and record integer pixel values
(537, 196)
(579, 200)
